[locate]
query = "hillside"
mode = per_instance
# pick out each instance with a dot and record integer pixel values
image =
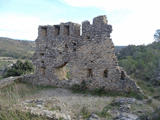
(19, 49)
(142, 62)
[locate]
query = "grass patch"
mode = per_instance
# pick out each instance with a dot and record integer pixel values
(151, 116)
(5, 63)
(104, 113)
(82, 88)
(85, 112)
(17, 115)
(13, 93)
(148, 88)
(68, 75)
(40, 87)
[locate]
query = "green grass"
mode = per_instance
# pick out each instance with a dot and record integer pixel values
(12, 95)
(68, 75)
(85, 112)
(148, 88)
(5, 63)
(1, 77)
(17, 115)
(101, 92)
(104, 113)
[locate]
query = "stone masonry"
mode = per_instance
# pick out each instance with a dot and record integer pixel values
(66, 56)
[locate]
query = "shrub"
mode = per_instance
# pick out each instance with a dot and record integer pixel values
(19, 68)
(80, 88)
(85, 112)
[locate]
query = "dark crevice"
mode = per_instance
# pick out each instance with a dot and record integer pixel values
(105, 74)
(90, 73)
(64, 64)
(122, 75)
(57, 30)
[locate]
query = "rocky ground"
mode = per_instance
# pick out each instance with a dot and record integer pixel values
(63, 104)
(60, 103)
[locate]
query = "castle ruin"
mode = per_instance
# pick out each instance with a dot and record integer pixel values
(66, 56)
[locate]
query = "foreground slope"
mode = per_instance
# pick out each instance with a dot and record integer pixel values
(24, 101)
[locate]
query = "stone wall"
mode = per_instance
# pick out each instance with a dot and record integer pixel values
(63, 57)
(10, 80)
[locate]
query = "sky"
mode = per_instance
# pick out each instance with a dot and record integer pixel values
(133, 21)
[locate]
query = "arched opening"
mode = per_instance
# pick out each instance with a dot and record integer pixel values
(122, 75)
(105, 73)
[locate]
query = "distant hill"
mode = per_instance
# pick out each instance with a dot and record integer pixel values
(19, 49)
(118, 48)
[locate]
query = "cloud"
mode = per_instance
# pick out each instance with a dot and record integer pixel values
(20, 26)
(115, 4)
(134, 21)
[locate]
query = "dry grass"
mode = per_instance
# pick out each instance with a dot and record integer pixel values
(61, 99)
(16, 92)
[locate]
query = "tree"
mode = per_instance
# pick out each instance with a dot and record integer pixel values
(142, 62)
(157, 35)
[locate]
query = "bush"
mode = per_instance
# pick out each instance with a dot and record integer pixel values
(19, 68)
(79, 88)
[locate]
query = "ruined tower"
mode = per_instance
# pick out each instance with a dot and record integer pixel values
(64, 57)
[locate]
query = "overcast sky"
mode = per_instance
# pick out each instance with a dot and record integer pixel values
(133, 21)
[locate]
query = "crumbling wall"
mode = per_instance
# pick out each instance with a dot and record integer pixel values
(63, 57)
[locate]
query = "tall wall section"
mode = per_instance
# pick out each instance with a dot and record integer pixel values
(64, 58)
